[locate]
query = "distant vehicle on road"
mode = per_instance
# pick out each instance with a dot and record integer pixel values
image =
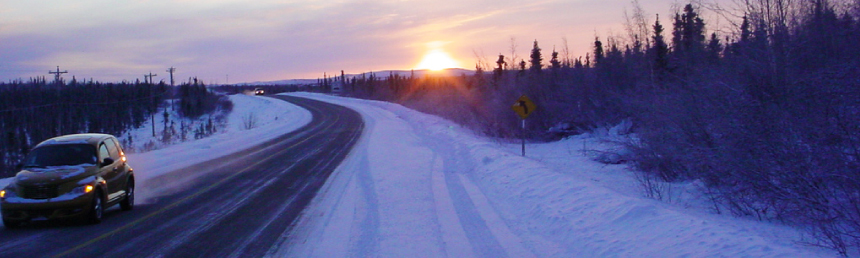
(337, 88)
(71, 176)
(259, 91)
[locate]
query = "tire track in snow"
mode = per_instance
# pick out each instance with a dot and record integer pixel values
(487, 232)
(454, 236)
(511, 241)
(403, 195)
(367, 243)
(461, 226)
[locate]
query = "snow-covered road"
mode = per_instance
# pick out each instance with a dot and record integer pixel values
(419, 186)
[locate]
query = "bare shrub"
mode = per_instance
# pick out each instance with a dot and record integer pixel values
(653, 186)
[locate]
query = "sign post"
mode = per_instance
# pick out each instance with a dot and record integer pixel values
(524, 107)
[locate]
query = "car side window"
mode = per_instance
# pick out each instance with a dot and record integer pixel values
(112, 149)
(118, 146)
(103, 152)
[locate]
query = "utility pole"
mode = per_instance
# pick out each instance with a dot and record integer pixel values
(57, 74)
(151, 100)
(149, 77)
(171, 70)
(172, 90)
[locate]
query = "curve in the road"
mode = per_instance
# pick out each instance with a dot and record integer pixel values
(240, 206)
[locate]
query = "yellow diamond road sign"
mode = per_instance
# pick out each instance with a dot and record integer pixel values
(524, 106)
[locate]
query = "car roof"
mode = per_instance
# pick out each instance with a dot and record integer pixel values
(85, 138)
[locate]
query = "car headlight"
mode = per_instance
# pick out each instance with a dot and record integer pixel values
(6, 194)
(83, 189)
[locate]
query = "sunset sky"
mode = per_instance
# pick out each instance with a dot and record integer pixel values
(232, 41)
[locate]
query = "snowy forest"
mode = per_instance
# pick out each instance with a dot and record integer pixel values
(34, 110)
(765, 116)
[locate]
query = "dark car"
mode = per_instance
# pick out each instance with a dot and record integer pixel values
(259, 91)
(74, 176)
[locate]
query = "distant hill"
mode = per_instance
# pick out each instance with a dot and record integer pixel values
(379, 74)
(418, 73)
(281, 82)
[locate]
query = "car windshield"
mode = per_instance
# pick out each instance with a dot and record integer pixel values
(61, 155)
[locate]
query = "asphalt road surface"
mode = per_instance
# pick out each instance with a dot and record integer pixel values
(236, 206)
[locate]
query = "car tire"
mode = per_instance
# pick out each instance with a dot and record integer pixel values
(97, 209)
(127, 204)
(11, 224)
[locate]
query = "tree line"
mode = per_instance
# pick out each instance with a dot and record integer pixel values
(34, 110)
(201, 113)
(765, 116)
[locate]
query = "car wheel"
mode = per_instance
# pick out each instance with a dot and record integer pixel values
(11, 224)
(97, 209)
(127, 204)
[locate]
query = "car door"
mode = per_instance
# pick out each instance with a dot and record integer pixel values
(120, 167)
(109, 171)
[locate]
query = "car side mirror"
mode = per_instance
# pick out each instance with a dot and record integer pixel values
(107, 161)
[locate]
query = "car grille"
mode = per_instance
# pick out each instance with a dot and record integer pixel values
(40, 192)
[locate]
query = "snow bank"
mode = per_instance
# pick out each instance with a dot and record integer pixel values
(418, 185)
(273, 118)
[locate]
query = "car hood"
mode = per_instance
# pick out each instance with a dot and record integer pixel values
(54, 175)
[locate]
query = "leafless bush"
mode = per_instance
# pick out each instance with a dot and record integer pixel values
(654, 187)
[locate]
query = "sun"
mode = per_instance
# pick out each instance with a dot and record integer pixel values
(436, 60)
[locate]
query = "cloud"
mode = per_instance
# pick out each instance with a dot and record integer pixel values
(268, 40)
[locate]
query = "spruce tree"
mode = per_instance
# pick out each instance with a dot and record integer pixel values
(577, 64)
(688, 35)
(660, 50)
(522, 67)
(677, 33)
(536, 59)
(554, 61)
(500, 67)
(714, 48)
(694, 29)
(598, 51)
(745, 30)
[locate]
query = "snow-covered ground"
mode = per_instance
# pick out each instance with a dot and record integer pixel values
(420, 186)
(272, 118)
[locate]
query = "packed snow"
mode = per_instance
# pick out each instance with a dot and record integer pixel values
(417, 185)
